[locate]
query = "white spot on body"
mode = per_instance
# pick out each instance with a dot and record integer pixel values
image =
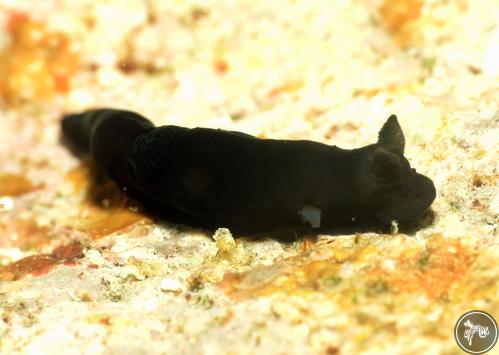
(394, 228)
(311, 215)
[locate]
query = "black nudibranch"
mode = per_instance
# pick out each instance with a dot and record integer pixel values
(213, 178)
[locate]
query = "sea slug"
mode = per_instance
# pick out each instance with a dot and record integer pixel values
(212, 178)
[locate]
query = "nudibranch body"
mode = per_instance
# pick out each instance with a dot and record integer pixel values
(213, 178)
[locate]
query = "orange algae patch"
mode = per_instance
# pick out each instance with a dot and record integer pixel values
(315, 269)
(106, 209)
(100, 223)
(38, 62)
(15, 185)
(221, 66)
(432, 271)
(23, 233)
(79, 177)
(283, 277)
(290, 86)
(400, 18)
(38, 265)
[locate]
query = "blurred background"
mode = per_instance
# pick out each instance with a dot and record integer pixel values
(330, 71)
(291, 65)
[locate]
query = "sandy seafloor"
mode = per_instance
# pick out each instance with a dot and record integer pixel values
(84, 271)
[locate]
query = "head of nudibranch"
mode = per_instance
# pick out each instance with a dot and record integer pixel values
(389, 188)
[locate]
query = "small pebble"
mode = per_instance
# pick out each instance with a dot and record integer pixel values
(6, 203)
(171, 285)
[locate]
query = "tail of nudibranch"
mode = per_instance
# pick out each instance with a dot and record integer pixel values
(76, 130)
(107, 135)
